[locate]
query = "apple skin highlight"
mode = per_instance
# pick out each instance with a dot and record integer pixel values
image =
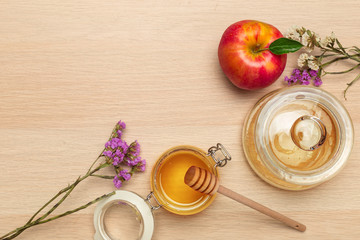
(243, 59)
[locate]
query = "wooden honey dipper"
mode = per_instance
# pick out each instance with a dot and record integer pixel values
(206, 182)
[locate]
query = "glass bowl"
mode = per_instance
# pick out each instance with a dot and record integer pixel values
(298, 137)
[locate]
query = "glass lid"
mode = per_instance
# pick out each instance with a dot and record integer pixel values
(304, 135)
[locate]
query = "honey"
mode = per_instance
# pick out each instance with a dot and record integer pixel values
(171, 178)
(168, 185)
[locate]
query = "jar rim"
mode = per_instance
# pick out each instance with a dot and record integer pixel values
(343, 121)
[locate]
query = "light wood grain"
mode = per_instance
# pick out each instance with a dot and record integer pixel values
(71, 69)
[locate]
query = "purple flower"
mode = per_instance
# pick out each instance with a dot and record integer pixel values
(121, 125)
(136, 148)
(305, 82)
(142, 166)
(119, 133)
(117, 182)
(297, 73)
(317, 81)
(294, 78)
(107, 154)
(117, 151)
(125, 174)
(116, 147)
(124, 146)
(303, 77)
(113, 144)
(313, 73)
(133, 150)
(137, 164)
(288, 80)
(133, 162)
(116, 161)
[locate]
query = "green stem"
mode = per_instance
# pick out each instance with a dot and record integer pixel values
(346, 71)
(59, 202)
(351, 83)
(355, 57)
(67, 189)
(335, 50)
(51, 200)
(100, 155)
(327, 55)
(21, 229)
(332, 61)
(79, 208)
(102, 176)
(260, 50)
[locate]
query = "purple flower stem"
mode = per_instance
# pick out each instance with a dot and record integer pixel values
(102, 176)
(40, 220)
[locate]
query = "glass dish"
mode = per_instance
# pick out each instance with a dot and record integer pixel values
(298, 137)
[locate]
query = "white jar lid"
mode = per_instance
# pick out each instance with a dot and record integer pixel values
(133, 200)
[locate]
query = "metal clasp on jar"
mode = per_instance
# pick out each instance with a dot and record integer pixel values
(153, 207)
(219, 154)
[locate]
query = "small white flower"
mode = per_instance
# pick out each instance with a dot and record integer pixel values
(312, 63)
(305, 40)
(332, 36)
(302, 60)
(311, 58)
(326, 41)
(293, 33)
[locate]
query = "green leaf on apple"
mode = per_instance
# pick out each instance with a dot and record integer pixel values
(284, 45)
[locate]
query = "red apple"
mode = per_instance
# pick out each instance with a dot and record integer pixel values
(243, 58)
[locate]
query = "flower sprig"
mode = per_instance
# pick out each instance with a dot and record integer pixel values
(329, 50)
(121, 155)
(303, 77)
(116, 154)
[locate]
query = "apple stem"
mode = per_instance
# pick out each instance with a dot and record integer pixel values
(260, 50)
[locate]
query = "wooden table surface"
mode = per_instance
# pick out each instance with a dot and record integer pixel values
(71, 69)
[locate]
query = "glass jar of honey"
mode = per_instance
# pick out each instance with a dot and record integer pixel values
(168, 189)
(167, 180)
(298, 137)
